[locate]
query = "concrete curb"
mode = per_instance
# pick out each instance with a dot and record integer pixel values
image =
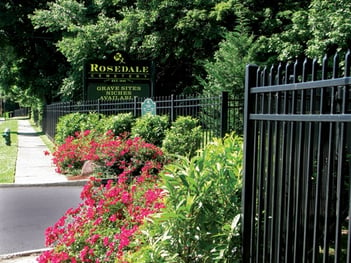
(68, 183)
(23, 253)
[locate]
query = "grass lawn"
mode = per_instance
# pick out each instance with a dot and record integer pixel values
(8, 154)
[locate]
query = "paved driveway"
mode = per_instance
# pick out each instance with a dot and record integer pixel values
(25, 213)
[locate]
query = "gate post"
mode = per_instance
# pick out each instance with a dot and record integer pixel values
(247, 190)
(224, 113)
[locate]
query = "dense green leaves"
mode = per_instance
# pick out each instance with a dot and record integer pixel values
(175, 34)
(151, 128)
(183, 137)
(313, 30)
(30, 67)
(201, 220)
(226, 72)
(189, 41)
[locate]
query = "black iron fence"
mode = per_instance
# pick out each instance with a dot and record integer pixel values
(217, 114)
(296, 195)
(21, 112)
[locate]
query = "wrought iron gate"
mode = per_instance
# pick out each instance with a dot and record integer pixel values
(297, 177)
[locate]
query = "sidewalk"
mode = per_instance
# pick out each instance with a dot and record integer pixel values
(33, 167)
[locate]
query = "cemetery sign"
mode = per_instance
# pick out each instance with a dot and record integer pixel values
(117, 78)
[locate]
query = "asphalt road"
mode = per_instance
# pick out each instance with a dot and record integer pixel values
(25, 213)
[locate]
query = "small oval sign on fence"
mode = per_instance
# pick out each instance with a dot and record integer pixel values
(148, 106)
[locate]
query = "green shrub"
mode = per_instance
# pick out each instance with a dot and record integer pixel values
(151, 128)
(184, 137)
(120, 123)
(94, 122)
(71, 123)
(200, 222)
(67, 126)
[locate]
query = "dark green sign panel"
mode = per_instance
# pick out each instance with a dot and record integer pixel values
(117, 78)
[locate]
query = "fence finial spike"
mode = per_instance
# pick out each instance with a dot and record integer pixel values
(347, 63)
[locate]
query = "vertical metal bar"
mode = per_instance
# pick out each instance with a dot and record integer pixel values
(255, 168)
(290, 182)
(329, 183)
(308, 245)
(340, 183)
(247, 193)
(224, 114)
(328, 197)
(320, 140)
(340, 164)
(347, 74)
(298, 175)
(274, 160)
(172, 108)
(260, 244)
(135, 107)
(280, 171)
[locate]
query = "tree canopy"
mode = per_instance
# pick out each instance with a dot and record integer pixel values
(30, 66)
(197, 45)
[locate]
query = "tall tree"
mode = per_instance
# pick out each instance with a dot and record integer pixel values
(30, 67)
(175, 34)
(311, 30)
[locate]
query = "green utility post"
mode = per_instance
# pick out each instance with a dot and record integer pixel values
(7, 136)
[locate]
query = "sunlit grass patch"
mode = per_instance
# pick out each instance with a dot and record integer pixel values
(8, 154)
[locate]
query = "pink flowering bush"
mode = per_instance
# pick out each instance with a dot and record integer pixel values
(69, 156)
(102, 227)
(112, 155)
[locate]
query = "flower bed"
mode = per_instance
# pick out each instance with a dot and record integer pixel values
(101, 228)
(113, 156)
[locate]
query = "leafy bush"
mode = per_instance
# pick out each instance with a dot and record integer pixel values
(184, 137)
(119, 124)
(67, 126)
(93, 122)
(200, 222)
(71, 123)
(151, 128)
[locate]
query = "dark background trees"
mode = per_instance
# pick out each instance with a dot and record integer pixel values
(197, 46)
(31, 68)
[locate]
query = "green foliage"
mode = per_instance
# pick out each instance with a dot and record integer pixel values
(184, 137)
(71, 123)
(175, 34)
(201, 220)
(121, 123)
(151, 128)
(93, 122)
(315, 29)
(226, 72)
(30, 67)
(329, 26)
(67, 126)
